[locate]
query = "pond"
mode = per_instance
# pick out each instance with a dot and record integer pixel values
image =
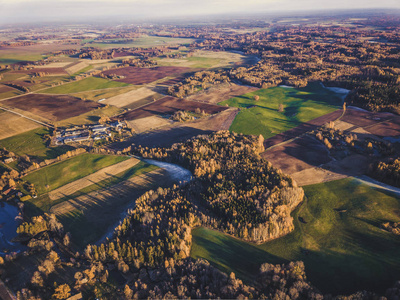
(8, 228)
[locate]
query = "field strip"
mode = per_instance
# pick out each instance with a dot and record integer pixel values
(109, 195)
(96, 177)
(21, 115)
(130, 97)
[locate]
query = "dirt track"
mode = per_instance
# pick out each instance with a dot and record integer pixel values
(96, 177)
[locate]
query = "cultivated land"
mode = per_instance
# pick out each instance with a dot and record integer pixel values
(12, 124)
(59, 174)
(130, 97)
(168, 105)
(89, 215)
(337, 235)
(91, 117)
(94, 178)
(222, 92)
(87, 84)
(144, 42)
(206, 60)
(300, 105)
(134, 75)
(52, 107)
(97, 95)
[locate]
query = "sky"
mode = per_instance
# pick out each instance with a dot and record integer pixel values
(16, 11)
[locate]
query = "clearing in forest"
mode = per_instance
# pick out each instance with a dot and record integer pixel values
(338, 227)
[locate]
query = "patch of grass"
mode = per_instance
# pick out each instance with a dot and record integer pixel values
(263, 116)
(32, 143)
(66, 171)
(85, 69)
(87, 84)
(339, 239)
(10, 94)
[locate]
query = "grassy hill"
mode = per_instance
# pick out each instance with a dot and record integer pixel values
(337, 235)
(263, 116)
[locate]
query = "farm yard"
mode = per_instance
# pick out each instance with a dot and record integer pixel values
(138, 76)
(297, 106)
(52, 107)
(338, 227)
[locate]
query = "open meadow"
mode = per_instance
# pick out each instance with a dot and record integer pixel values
(87, 84)
(32, 143)
(299, 106)
(337, 235)
(56, 175)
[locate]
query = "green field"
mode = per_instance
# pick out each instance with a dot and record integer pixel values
(31, 143)
(8, 58)
(145, 41)
(87, 84)
(96, 95)
(339, 239)
(66, 171)
(300, 105)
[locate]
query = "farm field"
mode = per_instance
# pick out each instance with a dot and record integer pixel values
(138, 76)
(130, 97)
(51, 107)
(300, 105)
(148, 123)
(94, 178)
(59, 174)
(168, 105)
(88, 216)
(32, 143)
(206, 60)
(145, 42)
(12, 124)
(91, 117)
(338, 227)
(97, 95)
(222, 92)
(87, 84)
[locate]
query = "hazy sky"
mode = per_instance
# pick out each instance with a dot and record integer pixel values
(53, 10)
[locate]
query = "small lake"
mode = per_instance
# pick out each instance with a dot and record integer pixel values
(8, 228)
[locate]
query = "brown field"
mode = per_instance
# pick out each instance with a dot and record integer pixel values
(52, 107)
(167, 106)
(48, 71)
(24, 83)
(303, 128)
(130, 97)
(96, 177)
(12, 124)
(5, 88)
(101, 209)
(221, 92)
(301, 154)
(139, 76)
